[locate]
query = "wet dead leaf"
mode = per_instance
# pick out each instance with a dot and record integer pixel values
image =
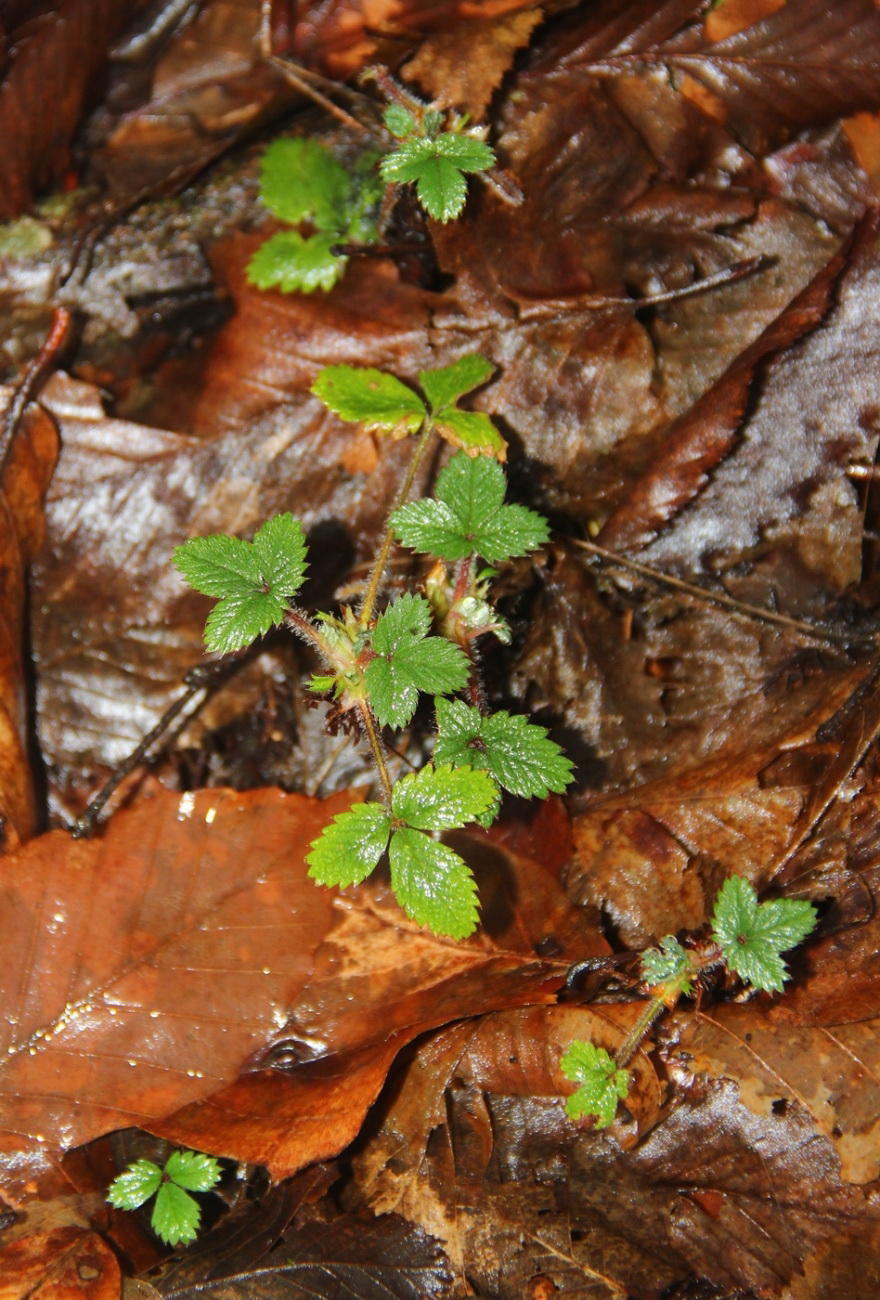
(462, 68)
(25, 477)
(60, 1265)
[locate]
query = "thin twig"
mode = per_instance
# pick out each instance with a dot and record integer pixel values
(32, 381)
(198, 679)
(719, 598)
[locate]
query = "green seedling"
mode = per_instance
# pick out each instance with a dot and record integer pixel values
(304, 184)
(176, 1214)
(377, 663)
(747, 936)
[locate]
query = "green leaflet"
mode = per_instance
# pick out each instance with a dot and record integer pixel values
(469, 515)
(139, 1182)
(370, 397)
(602, 1084)
(291, 262)
(254, 580)
(433, 884)
(300, 180)
(409, 661)
(442, 798)
(349, 848)
(445, 386)
(518, 753)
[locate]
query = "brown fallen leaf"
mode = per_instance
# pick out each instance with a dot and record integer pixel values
(208, 88)
(57, 56)
(60, 1265)
(25, 476)
(462, 68)
(142, 969)
(380, 981)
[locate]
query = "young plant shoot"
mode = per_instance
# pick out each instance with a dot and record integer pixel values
(746, 936)
(378, 662)
(332, 207)
(176, 1214)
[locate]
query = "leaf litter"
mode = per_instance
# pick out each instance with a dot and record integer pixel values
(725, 437)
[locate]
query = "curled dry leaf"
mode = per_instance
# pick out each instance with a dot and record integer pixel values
(25, 476)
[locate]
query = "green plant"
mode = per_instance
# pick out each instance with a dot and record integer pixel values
(377, 663)
(746, 936)
(176, 1214)
(304, 184)
(332, 206)
(435, 152)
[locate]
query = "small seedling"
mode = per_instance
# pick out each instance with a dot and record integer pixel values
(176, 1214)
(304, 184)
(335, 208)
(377, 663)
(746, 936)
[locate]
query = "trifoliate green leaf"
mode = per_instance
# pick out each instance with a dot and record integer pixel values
(472, 431)
(193, 1170)
(302, 181)
(255, 580)
(398, 120)
(667, 964)
(349, 848)
(468, 516)
(518, 753)
(602, 1084)
(409, 661)
(370, 397)
(437, 166)
(752, 935)
(445, 386)
(293, 263)
(442, 798)
(433, 884)
(135, 1186)
(175, 1216)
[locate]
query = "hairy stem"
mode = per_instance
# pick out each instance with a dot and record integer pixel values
(366, 716)
(381, 560)
(637, 1034)
(304, 628)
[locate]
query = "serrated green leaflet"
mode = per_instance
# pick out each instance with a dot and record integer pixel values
(255, 580)
(518, 753)
(293, 263)
(433, 884)
(445, 386)
(369, 397)
(602, 1084)
(409, 661)
(443, 799)
(398, 120)
(349, 848)
(753, 935)
(175, 1216)
(667, 964)
(193, 1170)
(135, 1186)
(437, 166)
(473, 431)
(468, 516)
(301, 180)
